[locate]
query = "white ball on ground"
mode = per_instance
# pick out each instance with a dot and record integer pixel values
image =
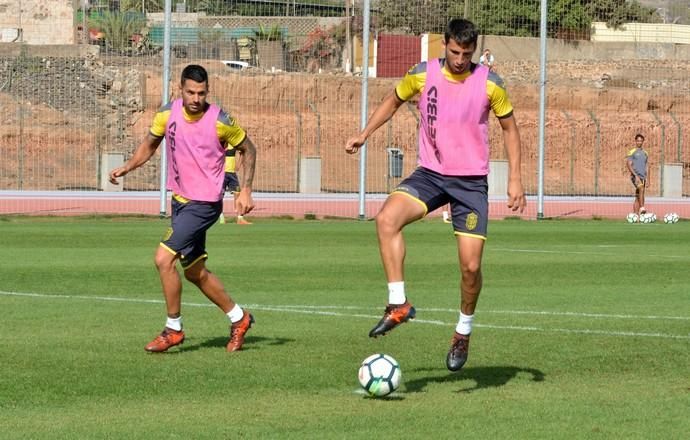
(379, 374)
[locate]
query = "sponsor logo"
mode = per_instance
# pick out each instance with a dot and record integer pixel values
(171, 142)
(471, 222)
(431, 117)
(407, 189)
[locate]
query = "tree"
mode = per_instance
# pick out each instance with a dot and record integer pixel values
(521, 18)
(142, 6)
(617, 12)
(118, 28)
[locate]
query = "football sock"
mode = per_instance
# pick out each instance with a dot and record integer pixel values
(174, 323)
(235, 314)
(396, 292)
(221, 219)
(464, 326)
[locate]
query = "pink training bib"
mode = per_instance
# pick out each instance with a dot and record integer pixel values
(454, 126)
(196, 159)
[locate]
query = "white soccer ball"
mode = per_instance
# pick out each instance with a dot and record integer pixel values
(379, 375)
(646, 218)
(653, 217)
(632, 218)
(671, 217)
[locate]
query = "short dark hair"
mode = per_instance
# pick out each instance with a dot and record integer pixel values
(461, 31)
(194, 72)
(639, 136)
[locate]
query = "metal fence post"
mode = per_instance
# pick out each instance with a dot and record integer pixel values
(679, 151)
(597, 152)
(573, 132)
(299, 141)
(318, 127)
(662, 159)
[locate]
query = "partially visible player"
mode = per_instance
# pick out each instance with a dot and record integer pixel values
(638, 165)
(231, 182)
(195, 133)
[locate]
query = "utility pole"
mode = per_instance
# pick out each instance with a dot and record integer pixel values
(348, 43)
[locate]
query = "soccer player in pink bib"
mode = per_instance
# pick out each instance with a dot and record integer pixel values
(456, 97)
(196, 136)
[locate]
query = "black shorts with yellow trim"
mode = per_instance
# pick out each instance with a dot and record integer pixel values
(467, 195)
(187, 233)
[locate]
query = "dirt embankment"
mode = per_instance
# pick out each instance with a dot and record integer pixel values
(593, 113)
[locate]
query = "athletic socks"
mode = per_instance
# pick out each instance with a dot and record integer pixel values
(396, 292)
(464, 326)
(174, 323)
(235, 314)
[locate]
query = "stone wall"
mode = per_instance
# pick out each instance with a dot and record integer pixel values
(37, 21)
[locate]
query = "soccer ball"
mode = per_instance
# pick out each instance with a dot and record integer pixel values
(379, 375)
(653, 217)
(645, 218)
(633, 218)
(671, 217)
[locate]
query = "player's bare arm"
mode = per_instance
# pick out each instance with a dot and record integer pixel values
(146, 149)
(511, 139)
(244, 202)
(383, 113)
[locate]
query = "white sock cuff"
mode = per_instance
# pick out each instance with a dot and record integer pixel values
(464, 326)
(174, 323)
(236, 313)
(396, 292)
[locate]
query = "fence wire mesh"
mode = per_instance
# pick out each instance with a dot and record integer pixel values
(78, 96)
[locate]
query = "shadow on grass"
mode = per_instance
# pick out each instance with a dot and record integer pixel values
(250, 343)
(483, 377)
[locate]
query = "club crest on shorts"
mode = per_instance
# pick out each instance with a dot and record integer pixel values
(471, 222)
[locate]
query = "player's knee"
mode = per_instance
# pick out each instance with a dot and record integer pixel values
(164, 261)
(193, 276)
(385, 222)
(471, 270)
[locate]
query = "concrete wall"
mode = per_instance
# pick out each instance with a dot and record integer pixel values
(37, 21)
(642, 33)
(53, 50)
(515, 48)
(527, 49)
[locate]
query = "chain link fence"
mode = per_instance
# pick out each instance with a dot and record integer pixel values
(290, 73)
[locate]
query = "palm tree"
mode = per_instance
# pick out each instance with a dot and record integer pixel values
(118, 27)
(142, 6)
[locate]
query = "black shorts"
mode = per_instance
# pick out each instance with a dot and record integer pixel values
(231, 183)
(467, 195)
(187, 233)
(642, 182)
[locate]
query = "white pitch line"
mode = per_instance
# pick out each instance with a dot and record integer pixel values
(292, 309)
(306, 307)
(545, 251)
(506, 312)
(571, 314)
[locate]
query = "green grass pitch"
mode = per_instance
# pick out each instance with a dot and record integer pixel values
(582, 331)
